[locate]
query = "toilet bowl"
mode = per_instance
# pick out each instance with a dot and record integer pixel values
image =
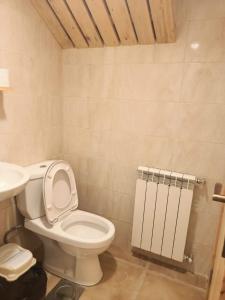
(80, 234)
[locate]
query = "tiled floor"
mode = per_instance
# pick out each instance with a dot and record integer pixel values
(126, 281)
(52, 281)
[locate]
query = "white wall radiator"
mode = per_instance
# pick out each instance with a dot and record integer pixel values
(162, 209)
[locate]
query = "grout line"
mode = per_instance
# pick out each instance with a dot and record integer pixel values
(149, 135)
(140, 283)
(118, 99)
(153, 62)
(181, 282)
(184, 67)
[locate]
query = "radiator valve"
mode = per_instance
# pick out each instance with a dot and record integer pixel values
(188, 259)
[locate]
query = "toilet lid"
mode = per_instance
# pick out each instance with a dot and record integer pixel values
(59, 191)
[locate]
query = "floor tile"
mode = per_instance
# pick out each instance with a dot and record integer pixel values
(127, 281)
(120, 281)
(52, 281)
(161, 288)
(107, 294)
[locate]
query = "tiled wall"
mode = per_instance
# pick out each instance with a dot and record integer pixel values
(160, 106)
(30, 114)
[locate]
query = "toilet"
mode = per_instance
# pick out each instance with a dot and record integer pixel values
(73, 238)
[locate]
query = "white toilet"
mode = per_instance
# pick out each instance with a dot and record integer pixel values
(49, 205)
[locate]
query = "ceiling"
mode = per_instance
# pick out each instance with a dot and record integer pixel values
(99, 23)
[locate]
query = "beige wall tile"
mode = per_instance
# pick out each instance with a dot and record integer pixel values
(100, 145)
(140, 54)
(102, 81)
(32, 108)
(203, 259)
(103, 169)
(158, 105)
(121, 207)
(203, 234)
(122, 177)
(75, 112)
(159, 82)
(75, 140)
(149, 150)
(146, 117)
(202, 122)
(76, 80)
(203, 82)
(143, 54)
(205, 9)
(100, 115)
(173, 52)
(79, 164)
(146, 106)
(30, 121)
(203, 199)
(202, 159)
(123, 236)
(205, 41)
(97, 200)
(91, 56)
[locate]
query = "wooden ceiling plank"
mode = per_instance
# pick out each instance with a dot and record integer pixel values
(65, 17)
(103, 22)
(85, 22)
(121, 18)
(163, 20)
(52, 23)
(142, 22)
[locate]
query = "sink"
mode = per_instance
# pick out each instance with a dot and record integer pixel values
(13, 179)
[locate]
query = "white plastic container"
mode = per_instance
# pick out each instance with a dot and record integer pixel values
(15, 261)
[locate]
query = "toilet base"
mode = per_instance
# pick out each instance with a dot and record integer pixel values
(87, 270)
(84, 270)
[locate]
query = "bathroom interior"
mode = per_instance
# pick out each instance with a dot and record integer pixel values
(112, 149)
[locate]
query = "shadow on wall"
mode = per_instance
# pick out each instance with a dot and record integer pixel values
(2, 111)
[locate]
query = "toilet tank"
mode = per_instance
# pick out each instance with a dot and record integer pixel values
(30, 201)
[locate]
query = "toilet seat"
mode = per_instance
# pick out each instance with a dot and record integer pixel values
(59, 191)
(59, 231)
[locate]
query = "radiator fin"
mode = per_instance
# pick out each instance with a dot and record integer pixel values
(182, 224)
(149, 215)
(160, 214)
(138, 212)
(171, 220)
(161, 218)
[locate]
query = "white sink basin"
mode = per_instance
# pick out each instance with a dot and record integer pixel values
(13, 179)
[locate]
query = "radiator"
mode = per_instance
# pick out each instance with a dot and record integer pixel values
(162, 210)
